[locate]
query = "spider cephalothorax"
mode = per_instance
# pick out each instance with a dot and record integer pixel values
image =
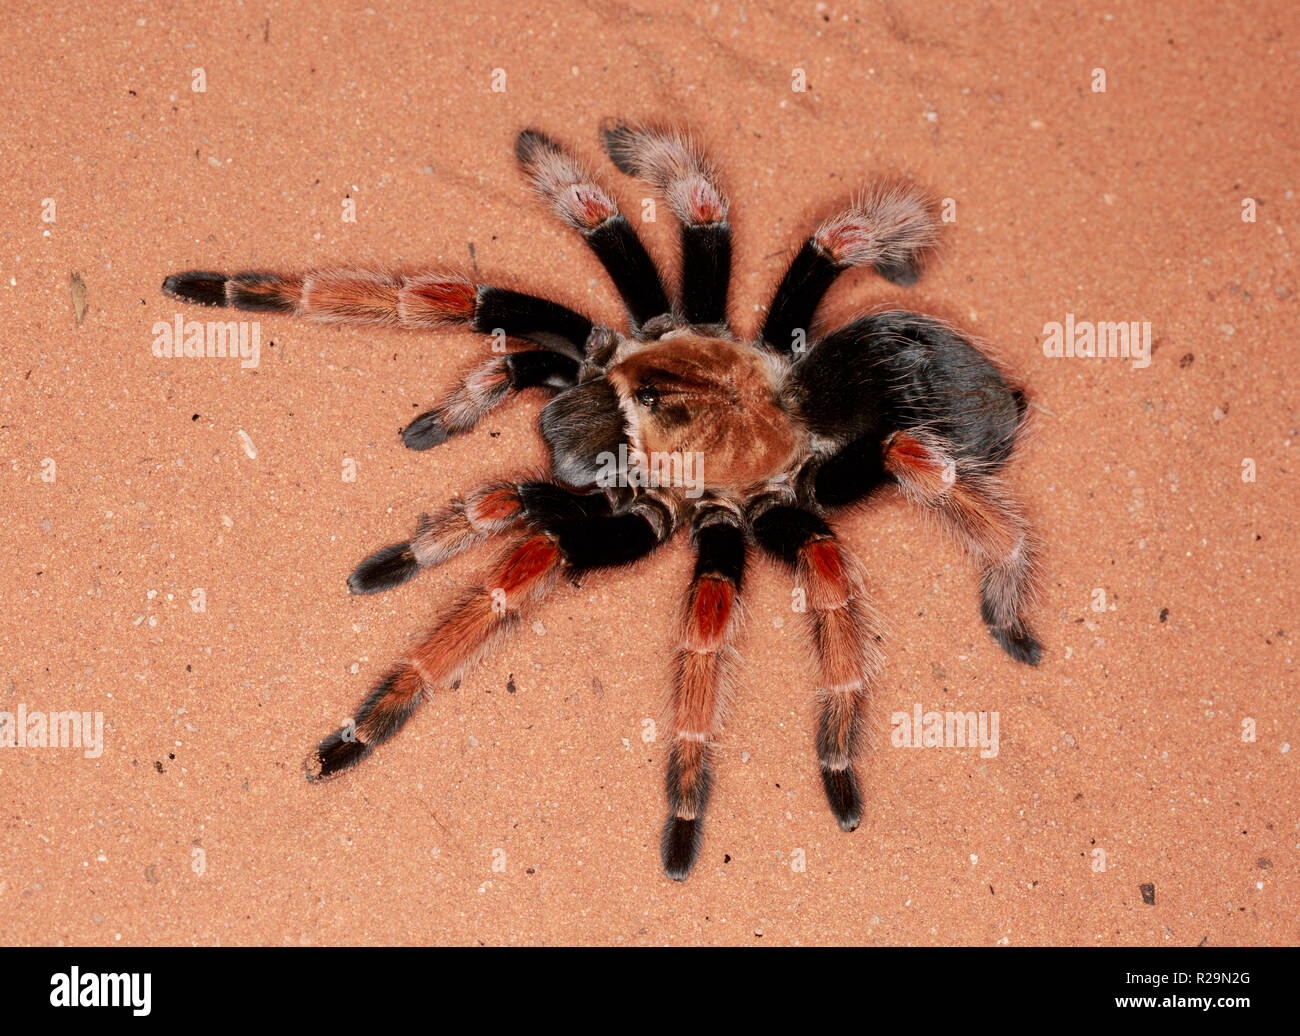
(750, 442)
(683, 395)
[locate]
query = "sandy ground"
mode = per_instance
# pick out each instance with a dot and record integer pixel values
(1156, 746)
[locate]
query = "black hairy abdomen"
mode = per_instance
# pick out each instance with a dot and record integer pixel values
(890, 371)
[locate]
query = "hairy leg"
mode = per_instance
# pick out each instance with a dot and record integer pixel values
(843, 629)
(668, 160)
(486, 615)
(487, 511)
(849, 476)
(582, 202)
(417, 301)
(891, 228)
(466, 632)
(703, 665)
(981, 513)
(485, 388)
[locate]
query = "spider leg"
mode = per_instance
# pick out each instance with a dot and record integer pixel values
(981, 513)
(892, 228)
(850, 475)
(703, 666)
(574, 193)
(843, 629)
(669, 161)
(486, 387)
(486, 614)
(487, 511)
(419, 301)
(523, 575)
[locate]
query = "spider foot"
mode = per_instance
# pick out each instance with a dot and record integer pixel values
(426, 431)
(334, 755)
(207, 289)
(384, 569)
(1019, 643)
(380, 716)
(904, 273)
(680, 846)
(844, 798)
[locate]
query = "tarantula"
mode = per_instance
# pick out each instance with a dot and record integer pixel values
(788, 425)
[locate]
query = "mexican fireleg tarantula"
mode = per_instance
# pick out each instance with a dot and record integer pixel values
(788, 426)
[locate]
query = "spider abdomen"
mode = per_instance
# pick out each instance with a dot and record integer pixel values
(895, 370)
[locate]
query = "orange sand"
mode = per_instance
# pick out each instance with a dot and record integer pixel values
(1123, 205)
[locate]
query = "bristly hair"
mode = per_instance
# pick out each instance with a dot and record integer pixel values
(668, 160)
(562, 179)
(892, 226)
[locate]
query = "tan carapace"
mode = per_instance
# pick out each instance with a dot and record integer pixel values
(713, 398)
